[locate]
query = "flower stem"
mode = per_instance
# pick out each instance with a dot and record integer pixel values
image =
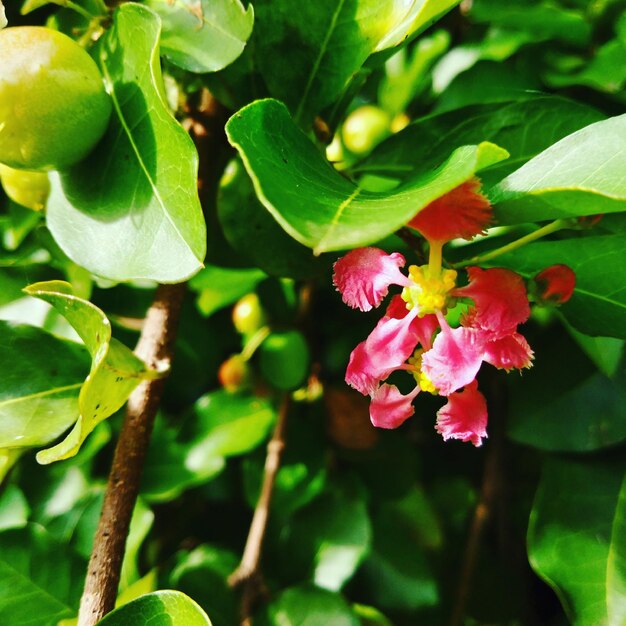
(435, 257)
(518, 243)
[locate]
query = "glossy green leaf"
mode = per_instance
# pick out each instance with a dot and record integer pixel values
(310, 606)
(315, 204)
(123, 213)
(115, 370)
(218, 287)
(598, 306)
(161, 608)
(40, 579)
(523, 128)
(203, 36)
(580, 175)
(308, 52)
(41, 379)
(576, 538)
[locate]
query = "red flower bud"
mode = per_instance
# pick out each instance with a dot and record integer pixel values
(554, 285)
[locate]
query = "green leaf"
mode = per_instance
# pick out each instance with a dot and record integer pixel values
(308, 52)
(41, 379)
(545, 20)
(329, 537)
(14, 509)
(203, 36)
(598, 306)
(122, 213)
(202, 574)
(577, 538)
(580, 175)
(115, 370)
(523, 128)
(218, 287)
(40, 579)
(228, 425)
(254, 233)
(563, 403)
(315, 204)
(310, 606)
(396, 573)
(161, 608)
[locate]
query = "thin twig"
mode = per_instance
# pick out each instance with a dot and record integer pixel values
(491, 490)
(248, 574)
(415, 243)
(155, 346)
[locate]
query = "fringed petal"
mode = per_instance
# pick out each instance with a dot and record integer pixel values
(389, 408)
(464, 416)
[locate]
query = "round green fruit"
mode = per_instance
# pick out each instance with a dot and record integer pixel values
(284, 359)
(364, 128)
(53, 106)
(30, 189)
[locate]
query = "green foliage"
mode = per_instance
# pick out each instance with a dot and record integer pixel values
(161, 608)
(366, 526)
(123, 197)
(315, 204)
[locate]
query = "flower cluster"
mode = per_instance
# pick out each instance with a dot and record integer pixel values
(414, 334)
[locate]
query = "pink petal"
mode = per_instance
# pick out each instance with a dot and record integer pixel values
(555, 284)
(363, 276)
(389, 408)
(388, 346)
(462, 212)
(500, 300)
(464, 416)
(454, 359)
(509, 352)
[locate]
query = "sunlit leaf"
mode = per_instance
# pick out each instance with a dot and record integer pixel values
(315, 204)
(161, 608)
(580, 175)
(131, 209)
(203, 36)
(115, 370)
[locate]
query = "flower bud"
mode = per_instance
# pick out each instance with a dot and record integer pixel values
(553, 285)
(233, 373)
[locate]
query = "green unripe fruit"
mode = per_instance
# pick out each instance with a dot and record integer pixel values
(284, 359)
(53, 106)
(364, 128)
(248, 315)
(30, 189)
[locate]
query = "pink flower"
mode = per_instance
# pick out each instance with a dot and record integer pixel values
(386, 349)
(462, 212)
(464, 416)
(389, 408)
(405, 337)
(364, 275)
(455, 358)
(500, 300)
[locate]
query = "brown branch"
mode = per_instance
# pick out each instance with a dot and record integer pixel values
(155, 346)
(490, 496)
(205, 123)
(248, 574)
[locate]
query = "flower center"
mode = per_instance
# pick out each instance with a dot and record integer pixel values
(430, 290)
(415, 367)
